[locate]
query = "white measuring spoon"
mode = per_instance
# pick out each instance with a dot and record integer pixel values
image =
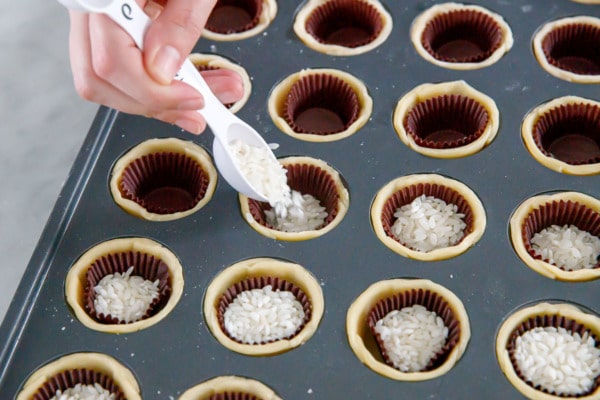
(226, 126)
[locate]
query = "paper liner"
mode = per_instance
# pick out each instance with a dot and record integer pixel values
(233, 396)
(144, 265)
(570, 133)
(432, 302)
(70, 378)
(164, 183)
(446, 121)
(347, 23)
(306, 179)
(462, 36)
(234, 16)
(259, 283)
(408, 194)
(321, 104)
(554, 320)
(574, 48)
(559, 213)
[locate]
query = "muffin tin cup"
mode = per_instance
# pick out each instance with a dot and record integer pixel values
(77, 290)
(268, 12)
(249, 272)
(368, 13)
(543, 55)
(85, 368)
(556, 110)
(403, 190)
(542, 314)
(398, 293)
(355, 90)
(562, 208)
(489, 23)
(469, 144)
(166, 160)
(236, 388)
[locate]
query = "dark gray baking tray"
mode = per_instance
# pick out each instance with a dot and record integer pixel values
(180, 352)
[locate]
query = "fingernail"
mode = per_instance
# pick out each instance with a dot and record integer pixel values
(188, 125)
(166, 63)
(229, 96)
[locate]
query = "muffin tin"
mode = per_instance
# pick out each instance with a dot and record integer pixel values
(179, 352)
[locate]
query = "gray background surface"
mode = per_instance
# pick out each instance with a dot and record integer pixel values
(43, 124)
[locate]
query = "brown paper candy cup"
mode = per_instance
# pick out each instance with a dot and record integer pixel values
(164, 183)
(574, 48)
(559, 213)
(234, 16)
(259, 283)
(321, 104)
(70, 378)
(462, 36)
(407, 194)
(446, 121)
(306, 179)
(347, 23)
(148, 267)
(542, 321)
(570, 133)
(432, 302)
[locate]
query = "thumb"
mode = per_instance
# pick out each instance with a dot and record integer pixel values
(172, 36)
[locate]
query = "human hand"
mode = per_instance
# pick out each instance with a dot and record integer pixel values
(109, 69)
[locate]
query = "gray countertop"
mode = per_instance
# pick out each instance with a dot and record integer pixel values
(44, 123)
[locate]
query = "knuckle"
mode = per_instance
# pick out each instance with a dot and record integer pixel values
(84, 86)
(103, 65)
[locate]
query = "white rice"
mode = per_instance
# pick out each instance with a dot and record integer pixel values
(567, 247)
(123, 296)
(428, 223)
(263, 315)
(84, 392)
(560, 361)
(266, 174)
(411, 337)
(291, 210)
(297, 213)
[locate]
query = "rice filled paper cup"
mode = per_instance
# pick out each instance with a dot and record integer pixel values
(542, 211)
(81, 368)
(146, 257)
(305, 175)
(402, 191)
(257, 273)
(394, 294)
(544, 314)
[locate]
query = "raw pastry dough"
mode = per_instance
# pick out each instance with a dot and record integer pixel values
(541, 57)
(430, 90)
(187, 148)
(278, 98)
(420, 23)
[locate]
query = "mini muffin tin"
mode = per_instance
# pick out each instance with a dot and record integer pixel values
(179, 352)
